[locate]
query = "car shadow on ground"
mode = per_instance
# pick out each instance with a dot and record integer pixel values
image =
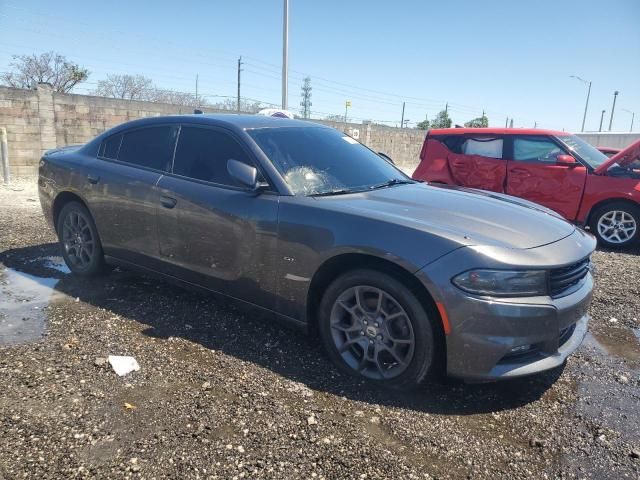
(170, 311)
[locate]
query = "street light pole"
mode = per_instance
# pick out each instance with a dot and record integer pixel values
(613, 108)
(601, 119)
(633, 117)
(285, 56)
(586, 105)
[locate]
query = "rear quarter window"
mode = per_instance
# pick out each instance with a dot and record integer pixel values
(110, 146)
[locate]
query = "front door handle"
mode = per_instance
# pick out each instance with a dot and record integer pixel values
(520, 171)
(93, 179)
(168, 202)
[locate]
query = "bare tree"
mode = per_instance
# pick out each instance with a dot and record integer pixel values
(246, 106)
(127, 87)
(176, 98)
(50, 67)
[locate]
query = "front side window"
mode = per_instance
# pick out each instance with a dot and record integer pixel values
(535, 149)
(484, 147)
(150, 147)
(319, 161)
(203, 153)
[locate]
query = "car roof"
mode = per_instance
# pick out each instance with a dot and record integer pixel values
(239, 121)
(495, 131)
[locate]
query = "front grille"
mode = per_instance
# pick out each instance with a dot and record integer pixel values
(561, 280)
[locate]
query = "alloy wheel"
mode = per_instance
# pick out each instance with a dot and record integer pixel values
(617, 226)
(372, 332)
(78, 240)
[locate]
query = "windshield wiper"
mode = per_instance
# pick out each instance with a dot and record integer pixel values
(339, 191)
(389, 183)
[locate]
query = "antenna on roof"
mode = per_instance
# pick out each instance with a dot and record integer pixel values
(197, 111)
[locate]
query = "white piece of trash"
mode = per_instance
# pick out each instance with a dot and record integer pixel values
(123, 365)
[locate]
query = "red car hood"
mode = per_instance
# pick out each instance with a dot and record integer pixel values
(622, 158)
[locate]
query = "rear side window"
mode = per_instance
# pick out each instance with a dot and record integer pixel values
(484, 147)
(202, 154)
(109, 147)
(535, 149)
(149, 147)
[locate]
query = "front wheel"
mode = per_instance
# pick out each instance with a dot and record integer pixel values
(374, 326)
(616, 225)
(78, 236)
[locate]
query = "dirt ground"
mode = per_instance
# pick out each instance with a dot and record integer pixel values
(226, 393)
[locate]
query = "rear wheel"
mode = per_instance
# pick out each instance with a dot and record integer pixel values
(616, 224)
(78, 236)
(373, 326)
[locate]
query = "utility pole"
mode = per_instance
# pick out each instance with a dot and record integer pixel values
(197, 102)
(613, 108)
(506, 123)
(402, 120)
(601, 120)
(511, 123)
(535, 124)
(285, 56)
(347, 104)
(240, 63)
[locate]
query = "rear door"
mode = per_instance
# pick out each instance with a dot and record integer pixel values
(534, 174)
(121, 189)
(212, 230)
(477, 162)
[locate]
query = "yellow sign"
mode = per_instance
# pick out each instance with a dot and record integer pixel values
(347, 103)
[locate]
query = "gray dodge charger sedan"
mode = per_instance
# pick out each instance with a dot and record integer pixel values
(398, 279)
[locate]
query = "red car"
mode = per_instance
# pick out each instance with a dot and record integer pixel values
(555, 169)
(608, 151)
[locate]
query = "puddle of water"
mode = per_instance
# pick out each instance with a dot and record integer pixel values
(621, 343)
(56, 263)
(23, 298)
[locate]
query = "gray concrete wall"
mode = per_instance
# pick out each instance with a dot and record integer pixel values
(38, 120)
(610, 139)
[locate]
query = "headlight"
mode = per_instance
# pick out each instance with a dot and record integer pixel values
(503, 283)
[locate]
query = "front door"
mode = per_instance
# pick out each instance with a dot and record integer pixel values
(212, 230)
(533, 173)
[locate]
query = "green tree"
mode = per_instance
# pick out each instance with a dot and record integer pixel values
(423, 125)
(480, 122)
(442, 120)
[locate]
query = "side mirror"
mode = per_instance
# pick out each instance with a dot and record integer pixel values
(245, 174)
(566, 160)
(387, 158)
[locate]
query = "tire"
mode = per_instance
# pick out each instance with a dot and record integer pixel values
(345, 325)
(79, 239)
(616, 224)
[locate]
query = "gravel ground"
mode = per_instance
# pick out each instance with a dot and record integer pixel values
(224, 393)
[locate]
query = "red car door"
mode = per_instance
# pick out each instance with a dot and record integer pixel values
(479, 164)
(535, 172)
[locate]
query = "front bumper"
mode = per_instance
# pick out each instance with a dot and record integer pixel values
(484, 331)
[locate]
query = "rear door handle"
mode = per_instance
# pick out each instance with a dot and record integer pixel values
(93, 179)
(168, 202)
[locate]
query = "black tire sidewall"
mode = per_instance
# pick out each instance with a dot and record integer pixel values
(632, 210)
(424, 350)
(97, 261)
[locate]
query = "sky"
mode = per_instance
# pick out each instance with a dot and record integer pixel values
(509, 58)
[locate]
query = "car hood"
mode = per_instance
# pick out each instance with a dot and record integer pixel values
(623, 158)
(469, 217)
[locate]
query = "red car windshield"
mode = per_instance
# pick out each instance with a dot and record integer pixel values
(586, 151)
